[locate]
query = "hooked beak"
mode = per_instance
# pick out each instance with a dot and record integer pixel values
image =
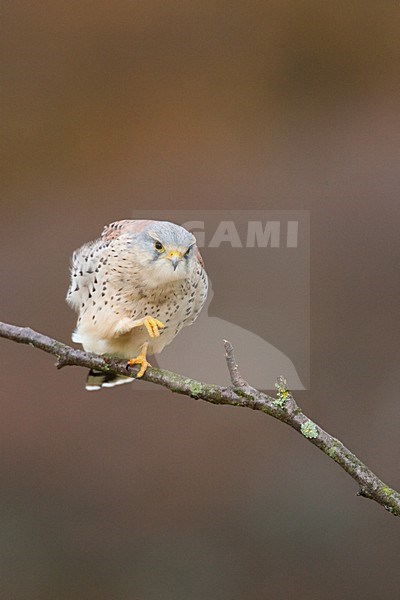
(175, 257)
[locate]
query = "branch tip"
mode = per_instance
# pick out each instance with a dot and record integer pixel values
(236, 378)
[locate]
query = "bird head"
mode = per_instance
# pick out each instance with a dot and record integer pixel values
(166, 252)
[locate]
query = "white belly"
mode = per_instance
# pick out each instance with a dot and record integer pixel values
(129, 344)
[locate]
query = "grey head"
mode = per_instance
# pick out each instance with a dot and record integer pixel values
(164, 252)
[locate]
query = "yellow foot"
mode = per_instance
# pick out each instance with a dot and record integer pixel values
(153, 325)
(140, 360)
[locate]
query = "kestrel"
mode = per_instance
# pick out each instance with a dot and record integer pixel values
(134, 289)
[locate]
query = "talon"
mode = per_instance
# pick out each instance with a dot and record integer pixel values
(153, 325)
(141, 360)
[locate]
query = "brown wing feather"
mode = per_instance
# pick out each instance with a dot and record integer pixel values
(114, 230)
(85, 260)
(198, 256)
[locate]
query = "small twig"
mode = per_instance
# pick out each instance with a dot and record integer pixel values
(283, 408)
(236, 378)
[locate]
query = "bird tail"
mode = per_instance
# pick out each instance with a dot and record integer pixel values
(98, 379)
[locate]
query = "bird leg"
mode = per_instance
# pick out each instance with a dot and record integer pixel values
(152, 325)
(126, 325)
(141, 360)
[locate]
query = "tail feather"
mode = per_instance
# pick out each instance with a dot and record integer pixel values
(98, 379)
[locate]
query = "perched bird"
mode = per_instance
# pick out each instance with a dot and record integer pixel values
(134, 289)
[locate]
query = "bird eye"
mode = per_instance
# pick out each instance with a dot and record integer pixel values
(188, 251)
(158, 246)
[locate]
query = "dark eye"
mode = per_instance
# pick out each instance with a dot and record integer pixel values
(188, 251)
(158, 246)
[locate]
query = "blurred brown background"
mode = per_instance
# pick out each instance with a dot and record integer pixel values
(115, 106)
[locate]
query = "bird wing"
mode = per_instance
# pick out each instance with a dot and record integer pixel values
(198, 256)
(84, 268)
(198, 294)
(86, 260)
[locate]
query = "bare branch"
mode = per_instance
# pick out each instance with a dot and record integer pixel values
(283, 408)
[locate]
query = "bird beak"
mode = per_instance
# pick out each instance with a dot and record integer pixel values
(175, 257)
